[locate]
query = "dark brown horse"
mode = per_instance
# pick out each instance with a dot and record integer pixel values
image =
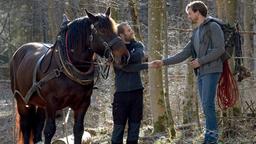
(46, 79)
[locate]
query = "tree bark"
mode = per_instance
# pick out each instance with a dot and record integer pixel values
(248, 38)
(55, 12)
(164, 37)
(155, 75)
(72, 10)
(220, 8)
(133, 5)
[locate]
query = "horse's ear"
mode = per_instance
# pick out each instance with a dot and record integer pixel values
(65, 21)
(91, 16)
(107, 13)
(65, 18)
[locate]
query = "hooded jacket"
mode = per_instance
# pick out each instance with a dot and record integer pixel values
(211, 47)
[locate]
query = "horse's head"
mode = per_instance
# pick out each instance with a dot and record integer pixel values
(104, 39)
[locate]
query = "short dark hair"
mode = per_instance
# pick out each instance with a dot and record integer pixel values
(198, 6)
(120, 27)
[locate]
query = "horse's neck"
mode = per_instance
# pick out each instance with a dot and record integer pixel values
(81, 75)
(81, 61)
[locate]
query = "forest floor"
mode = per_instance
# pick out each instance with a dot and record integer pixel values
(239, 130)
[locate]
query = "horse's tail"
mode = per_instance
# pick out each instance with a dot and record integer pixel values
(18, 133)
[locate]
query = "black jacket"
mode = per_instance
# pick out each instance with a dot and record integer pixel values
(128, 78)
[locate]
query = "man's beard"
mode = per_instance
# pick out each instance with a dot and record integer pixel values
(130, 38)
(194, 21)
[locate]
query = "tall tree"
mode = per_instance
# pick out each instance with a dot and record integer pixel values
(133, 5)
(189, 109)
(190, 103)
(72, 9)
(155, 14)
(164, 38)
(248, 38)
(220, 9)
(231, 8)
(115, 10)
(36, 21)
(231, 17)
(55, 12)
(6, 45)
(22, 15)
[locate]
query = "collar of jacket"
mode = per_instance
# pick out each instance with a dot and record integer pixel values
(210, 18)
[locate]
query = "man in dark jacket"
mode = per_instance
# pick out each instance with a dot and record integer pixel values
(206, 47)
(128, 97)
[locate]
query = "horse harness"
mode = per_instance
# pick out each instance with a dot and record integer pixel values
(66, 67)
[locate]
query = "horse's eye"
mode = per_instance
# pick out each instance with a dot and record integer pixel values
(102, 31)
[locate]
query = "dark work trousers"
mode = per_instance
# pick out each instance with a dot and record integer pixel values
(127, 106)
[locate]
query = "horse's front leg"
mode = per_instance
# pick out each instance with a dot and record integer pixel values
(50, 126)
(78, 128)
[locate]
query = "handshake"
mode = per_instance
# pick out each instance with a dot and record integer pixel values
(155, 64)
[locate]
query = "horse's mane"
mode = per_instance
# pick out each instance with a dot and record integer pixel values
(79, 30)
(106, 23)
(77, 35)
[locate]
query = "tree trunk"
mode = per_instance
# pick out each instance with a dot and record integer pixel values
(248, 48)
(133, 5)
(36, 22)
(155, 75)
(231, 7)
(55, 12)
(45, 22)
(189, 103)
(72, 10)
(220, 9)
(115, 13)
(164, 37)
(248, 38)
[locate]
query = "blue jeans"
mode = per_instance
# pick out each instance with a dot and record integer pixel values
(207, 85)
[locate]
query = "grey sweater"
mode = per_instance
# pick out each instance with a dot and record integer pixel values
(211, 47)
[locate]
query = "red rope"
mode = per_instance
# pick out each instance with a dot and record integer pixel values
(227, 92)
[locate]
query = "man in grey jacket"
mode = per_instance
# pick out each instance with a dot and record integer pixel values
(206, 46)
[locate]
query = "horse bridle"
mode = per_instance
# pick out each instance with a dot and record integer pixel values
(108, 45)
(104, 71)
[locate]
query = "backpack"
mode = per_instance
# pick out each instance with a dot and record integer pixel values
(231, 36)
(227, 89)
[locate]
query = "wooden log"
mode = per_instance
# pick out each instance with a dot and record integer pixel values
(86, 139)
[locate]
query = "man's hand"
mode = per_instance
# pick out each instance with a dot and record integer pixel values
(155, 64)
(195, 64)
